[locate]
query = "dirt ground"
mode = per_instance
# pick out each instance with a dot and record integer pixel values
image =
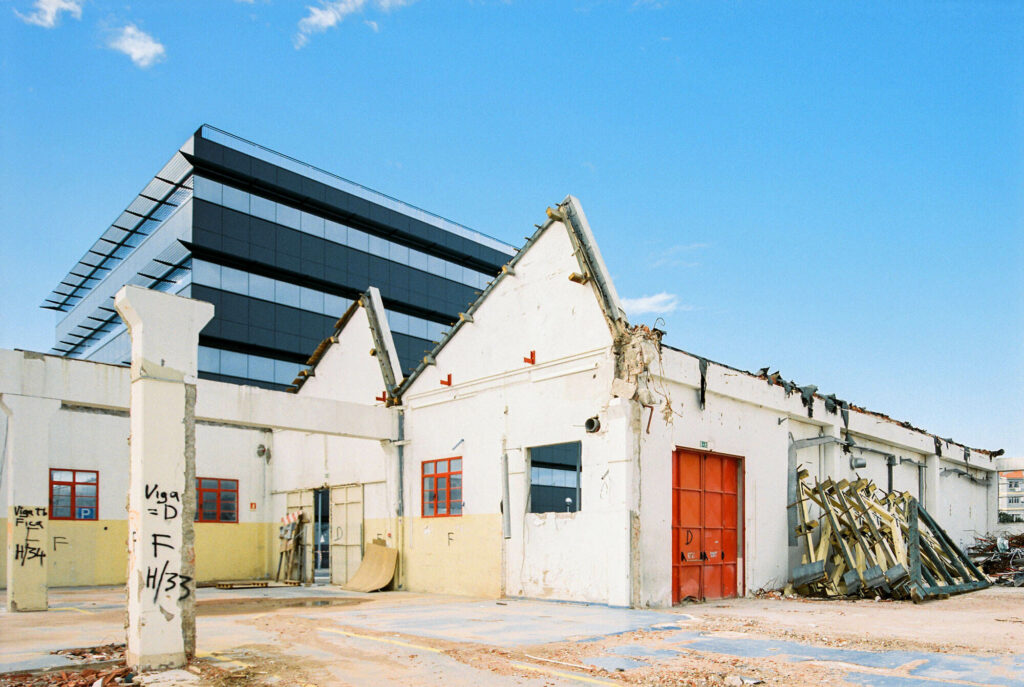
(989, 621)
(409, 639)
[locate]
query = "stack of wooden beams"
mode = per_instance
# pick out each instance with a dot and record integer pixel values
(857, 540)
(292, 551)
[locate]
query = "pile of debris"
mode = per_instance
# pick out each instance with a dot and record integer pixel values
(86, 677)
(1001, 558)
(101, 666)
(106, 652)
(867, 542)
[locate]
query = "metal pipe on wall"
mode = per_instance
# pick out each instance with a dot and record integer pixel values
(401, 463)
(506, 515)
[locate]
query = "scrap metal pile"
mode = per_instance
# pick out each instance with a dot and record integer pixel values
(1001, 558)
(866, 542)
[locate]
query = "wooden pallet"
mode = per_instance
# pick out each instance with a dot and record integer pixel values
(242, 584)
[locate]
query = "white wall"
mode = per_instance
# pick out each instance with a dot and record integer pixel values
(744, 416)
(91, 432)
(497, 403)
(303, 460)
(83, 439)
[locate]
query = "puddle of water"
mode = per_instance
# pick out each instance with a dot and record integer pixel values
(250, 605)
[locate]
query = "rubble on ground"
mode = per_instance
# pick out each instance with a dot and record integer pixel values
(1000, 557)
(106, 652)
(86, 677)
(865, 542)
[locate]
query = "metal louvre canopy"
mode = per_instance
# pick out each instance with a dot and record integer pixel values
(162, 195)
(161, 273)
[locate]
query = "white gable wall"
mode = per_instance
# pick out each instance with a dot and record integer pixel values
(499, 403)
(537, 309)
(347, 371)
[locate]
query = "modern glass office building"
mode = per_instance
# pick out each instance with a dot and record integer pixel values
(280, 248)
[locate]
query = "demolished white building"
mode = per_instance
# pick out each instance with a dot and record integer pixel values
(545, 448)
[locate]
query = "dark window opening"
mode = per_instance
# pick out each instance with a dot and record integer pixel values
(555, 475)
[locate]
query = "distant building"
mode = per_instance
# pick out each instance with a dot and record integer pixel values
(281, 249)
(1011, 496)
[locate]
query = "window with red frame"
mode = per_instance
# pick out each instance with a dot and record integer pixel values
(442, 487)
(217, 499)
(74, 494)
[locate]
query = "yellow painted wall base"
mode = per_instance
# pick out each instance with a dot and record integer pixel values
(86, 553)
(453, 555)
(233, 551)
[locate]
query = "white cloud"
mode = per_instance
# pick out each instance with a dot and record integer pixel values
(660, 303)
(48, 12)
(330, 13)
(327, 15)
(138, 45)
(374, 26)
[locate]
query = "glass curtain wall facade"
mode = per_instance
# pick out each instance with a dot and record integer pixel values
(281, 249)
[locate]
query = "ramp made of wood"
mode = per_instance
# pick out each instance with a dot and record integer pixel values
(376, 570)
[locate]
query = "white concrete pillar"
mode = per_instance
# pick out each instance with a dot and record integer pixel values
(27, 462)
(162, 491)
(619, 424)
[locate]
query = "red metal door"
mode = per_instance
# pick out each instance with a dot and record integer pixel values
(705, 517)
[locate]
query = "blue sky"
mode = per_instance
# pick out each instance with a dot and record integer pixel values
(832, 189)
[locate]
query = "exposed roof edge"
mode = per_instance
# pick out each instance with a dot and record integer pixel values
(570, 213)
(852, 407)
(383, 343)
(589, 257)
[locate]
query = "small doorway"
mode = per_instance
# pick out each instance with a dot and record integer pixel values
(322, 536)
(707, 539)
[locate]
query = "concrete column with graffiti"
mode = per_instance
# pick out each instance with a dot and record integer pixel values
(161, 500)
(26, 463)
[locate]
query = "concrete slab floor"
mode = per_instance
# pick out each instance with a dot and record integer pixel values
(322, 636)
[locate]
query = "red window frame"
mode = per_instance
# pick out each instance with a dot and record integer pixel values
(432, 472)
(73, 490)
(217, 487)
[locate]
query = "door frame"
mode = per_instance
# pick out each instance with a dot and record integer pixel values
(334, 547)
(741, 534)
